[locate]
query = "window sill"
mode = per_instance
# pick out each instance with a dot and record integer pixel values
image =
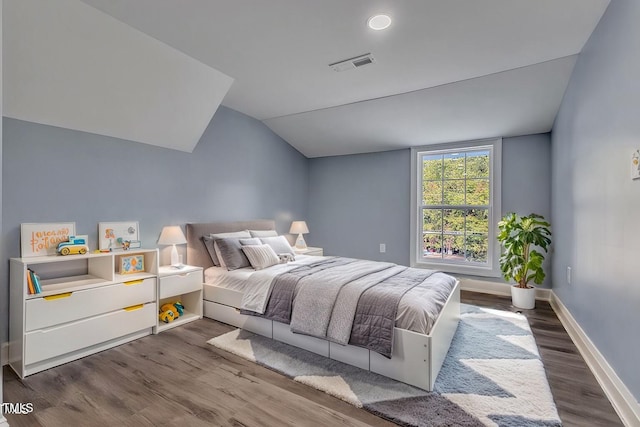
(471, 270)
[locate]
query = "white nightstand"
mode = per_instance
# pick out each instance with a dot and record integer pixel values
(184, 285)
(309, 251)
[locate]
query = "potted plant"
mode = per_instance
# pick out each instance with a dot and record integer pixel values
(520, 261)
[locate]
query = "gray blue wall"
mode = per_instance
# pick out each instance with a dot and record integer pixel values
(240, 170)
(357, 202)
(596, 206)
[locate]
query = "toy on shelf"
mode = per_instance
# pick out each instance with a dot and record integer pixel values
(167, 316)
(178, 305)
(171, 311)
(75, 245)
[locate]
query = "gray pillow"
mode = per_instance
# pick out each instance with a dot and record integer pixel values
(229, 251)
(210, 239)
(263, 233)
(208, 243)
(279, 244)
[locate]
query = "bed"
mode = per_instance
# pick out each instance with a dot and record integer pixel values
(416, 357)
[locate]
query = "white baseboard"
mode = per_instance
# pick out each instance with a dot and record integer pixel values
(623, 401)
(497, 288)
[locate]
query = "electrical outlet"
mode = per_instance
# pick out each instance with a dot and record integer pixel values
(569, 275)
(383, 248)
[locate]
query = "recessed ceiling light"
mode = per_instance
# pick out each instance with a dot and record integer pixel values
(379, 22)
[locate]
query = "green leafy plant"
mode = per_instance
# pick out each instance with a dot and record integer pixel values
(519, 261)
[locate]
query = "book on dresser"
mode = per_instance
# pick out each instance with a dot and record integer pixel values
(30, 287)
(34, 282)
(65, 308)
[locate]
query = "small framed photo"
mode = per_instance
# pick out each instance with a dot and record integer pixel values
(113, 236)
(130, 264)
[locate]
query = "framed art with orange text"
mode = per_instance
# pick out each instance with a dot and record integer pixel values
(41, 239)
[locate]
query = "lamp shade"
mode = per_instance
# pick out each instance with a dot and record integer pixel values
(172, 235)
(299, 227)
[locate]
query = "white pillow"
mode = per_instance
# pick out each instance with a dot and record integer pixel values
(261, 256)
(251, 241)
(263, 233)
(279, 244)
(242, 234)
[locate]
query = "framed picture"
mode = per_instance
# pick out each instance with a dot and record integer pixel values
(635, 165)
(40, 239)
(132, 264)
(118, 235)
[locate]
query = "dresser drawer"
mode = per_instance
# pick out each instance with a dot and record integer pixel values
(47, 343)
(71, 306)
(178, 284)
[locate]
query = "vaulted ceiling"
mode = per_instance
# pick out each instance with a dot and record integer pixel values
(443, 71)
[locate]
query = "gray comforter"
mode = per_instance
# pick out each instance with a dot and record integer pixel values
(350, 301)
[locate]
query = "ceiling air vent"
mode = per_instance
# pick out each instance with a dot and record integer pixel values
(351, 63)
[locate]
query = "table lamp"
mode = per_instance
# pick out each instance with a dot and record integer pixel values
(299, 228)
(173, 235)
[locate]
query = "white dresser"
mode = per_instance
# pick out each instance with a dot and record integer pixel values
(85, 306)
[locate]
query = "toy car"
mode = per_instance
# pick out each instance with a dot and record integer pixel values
(75, 245)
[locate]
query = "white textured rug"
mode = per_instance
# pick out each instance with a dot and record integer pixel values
(491, 376)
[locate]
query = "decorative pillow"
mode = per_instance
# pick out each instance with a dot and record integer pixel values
(253, 241)
(261, 256)
(208, 243)
(229, 251)
(263, 233)
(279, 244)
(210, 239)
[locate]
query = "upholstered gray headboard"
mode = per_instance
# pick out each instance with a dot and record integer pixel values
(196, 251)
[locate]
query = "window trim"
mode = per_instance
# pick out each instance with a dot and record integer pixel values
(492, 269)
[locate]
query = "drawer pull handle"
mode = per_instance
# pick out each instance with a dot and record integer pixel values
(133, 282)
(133, 307)
(58, 296)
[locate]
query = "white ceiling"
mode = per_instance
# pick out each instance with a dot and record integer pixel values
(445, 70)
(69, 65)
(515, 102)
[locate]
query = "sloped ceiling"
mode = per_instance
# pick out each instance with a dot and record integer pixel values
(471, 109)
(444, 70)
(67, 64)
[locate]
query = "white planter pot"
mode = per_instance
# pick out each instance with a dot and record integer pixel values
(523, 297)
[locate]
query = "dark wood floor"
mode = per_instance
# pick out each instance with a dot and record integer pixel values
(176, 379)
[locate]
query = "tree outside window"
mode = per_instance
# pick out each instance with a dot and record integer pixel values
(455, 205)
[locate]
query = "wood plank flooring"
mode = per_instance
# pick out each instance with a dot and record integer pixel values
(176, 379)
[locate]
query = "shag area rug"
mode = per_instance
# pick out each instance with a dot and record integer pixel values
(492, 376)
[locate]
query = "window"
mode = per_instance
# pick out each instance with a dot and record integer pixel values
(456, 207)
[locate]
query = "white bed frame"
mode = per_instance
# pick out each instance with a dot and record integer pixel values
(416, 358)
